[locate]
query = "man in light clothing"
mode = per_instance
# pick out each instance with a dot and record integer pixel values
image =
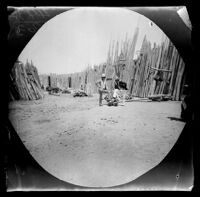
(102, 88)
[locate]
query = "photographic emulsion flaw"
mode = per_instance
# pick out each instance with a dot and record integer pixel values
(99, 97)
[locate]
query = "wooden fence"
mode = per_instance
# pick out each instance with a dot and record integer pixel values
(157, 69)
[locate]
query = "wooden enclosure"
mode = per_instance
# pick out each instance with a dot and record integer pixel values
(153, 70)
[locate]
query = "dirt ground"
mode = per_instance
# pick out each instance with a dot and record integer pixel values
(79, 142)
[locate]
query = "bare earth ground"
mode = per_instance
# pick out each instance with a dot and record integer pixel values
(79, 142)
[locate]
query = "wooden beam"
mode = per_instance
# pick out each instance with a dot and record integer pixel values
(159, 69)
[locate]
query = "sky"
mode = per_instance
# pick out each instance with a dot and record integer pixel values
(80, 37)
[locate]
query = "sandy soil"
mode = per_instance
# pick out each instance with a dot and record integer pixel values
(79, 142)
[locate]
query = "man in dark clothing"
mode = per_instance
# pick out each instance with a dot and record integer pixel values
(119, 89)
(116, 88)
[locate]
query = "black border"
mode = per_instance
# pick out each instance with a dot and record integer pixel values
(193, 13)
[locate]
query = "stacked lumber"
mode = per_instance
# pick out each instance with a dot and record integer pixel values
(25, 82)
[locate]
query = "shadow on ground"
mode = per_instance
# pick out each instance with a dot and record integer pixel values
(176, 119)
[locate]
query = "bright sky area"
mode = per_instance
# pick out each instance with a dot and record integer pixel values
(80, 37)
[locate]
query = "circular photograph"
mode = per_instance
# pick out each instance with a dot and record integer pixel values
(95, 94)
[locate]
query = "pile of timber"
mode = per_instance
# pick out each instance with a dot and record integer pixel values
(24, 82)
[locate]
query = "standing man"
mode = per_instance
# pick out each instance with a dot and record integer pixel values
(102, 88)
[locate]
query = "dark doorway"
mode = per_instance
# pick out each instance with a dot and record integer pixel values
(49, 81)
(70, 82)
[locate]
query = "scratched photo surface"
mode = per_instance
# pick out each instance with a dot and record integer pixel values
(96, 97)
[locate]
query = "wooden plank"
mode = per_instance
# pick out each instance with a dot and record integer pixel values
(175, 76)
(181, 71)
(30, 97)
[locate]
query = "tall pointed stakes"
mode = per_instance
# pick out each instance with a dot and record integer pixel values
(155, 69)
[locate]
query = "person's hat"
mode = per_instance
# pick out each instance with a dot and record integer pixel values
(103, 75)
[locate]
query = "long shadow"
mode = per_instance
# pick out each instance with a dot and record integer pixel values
(176, 119)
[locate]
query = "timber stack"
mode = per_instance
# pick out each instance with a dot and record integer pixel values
(25, 83)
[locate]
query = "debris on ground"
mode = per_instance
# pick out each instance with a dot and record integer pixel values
(53, 91)
(113, 102)
(160, 97)
(79, 94)
(66, 91)
(128, 97)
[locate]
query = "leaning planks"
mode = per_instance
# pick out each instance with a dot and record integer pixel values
(24, 82)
